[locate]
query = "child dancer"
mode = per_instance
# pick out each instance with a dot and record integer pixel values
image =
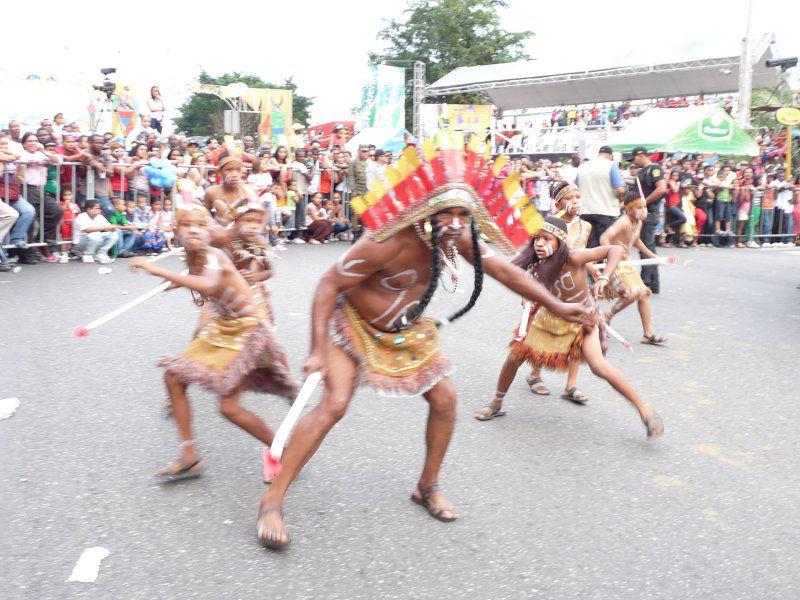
(553, 342)
(626, 284)
(567, 200)
(232, 353)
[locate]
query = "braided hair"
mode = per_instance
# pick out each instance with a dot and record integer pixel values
(436, 269)
(478, 266)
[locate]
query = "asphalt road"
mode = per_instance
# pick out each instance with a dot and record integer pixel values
(558, 501)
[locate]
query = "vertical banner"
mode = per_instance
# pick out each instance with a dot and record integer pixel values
(276, 116)
(126, 110)
(383, 99)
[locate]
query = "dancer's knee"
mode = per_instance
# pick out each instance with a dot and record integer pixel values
(333, 408)
(229, 408)
(599, 368)
(442, 398)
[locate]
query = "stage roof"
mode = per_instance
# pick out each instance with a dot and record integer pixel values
(532, 84)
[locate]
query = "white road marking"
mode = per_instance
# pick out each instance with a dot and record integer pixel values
(7, 407)
(88, 565)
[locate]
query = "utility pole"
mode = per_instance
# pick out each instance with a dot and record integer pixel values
(746, 74)
(418, 97)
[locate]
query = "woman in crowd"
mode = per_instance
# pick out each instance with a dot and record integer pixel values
(32, 171)
(317, 221)
(139, 160)
(155, 104)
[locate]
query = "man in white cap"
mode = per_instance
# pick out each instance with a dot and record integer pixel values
(296, 137)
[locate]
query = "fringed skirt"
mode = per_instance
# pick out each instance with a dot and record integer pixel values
(406, 363)
(551, 342)
(625, 282)
(234, 353)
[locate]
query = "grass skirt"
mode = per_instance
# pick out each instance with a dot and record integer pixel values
(230, 353)
(551, 342)
(405, 363)
(625, 282)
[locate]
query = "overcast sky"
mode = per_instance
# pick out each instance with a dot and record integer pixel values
(324, 44)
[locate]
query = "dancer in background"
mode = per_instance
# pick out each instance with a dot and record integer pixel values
(231, 354)
(551, 341)
(626, 286)
(567, 199)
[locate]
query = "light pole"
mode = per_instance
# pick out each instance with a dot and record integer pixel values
(746, 74)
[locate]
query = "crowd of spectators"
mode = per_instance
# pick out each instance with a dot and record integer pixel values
(707, 201)
(69, 195)
(74, 195)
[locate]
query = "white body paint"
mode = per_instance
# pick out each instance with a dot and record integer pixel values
(566, 288)
(345, 268)
(402, 290)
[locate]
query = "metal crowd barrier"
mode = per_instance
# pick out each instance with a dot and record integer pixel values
(66, 173)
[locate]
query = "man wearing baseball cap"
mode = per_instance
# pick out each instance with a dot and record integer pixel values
(602, 189)
(650, 177)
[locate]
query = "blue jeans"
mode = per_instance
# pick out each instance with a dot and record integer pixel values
(788, 227)
(767, 217)
(127, 239)
(340, 227)
(27, 213)
(96, 242)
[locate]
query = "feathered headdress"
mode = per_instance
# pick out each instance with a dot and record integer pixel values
(451, 177)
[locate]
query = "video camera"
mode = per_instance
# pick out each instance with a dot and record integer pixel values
(782, 63)
(108, 87)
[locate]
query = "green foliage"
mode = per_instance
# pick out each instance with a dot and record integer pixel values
(446, 34)
(201, 114)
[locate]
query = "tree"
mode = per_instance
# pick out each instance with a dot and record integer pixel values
(446, 34)
(202, 114)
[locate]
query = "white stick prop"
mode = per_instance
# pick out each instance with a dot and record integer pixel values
(83, 330)
(172, 252)
(272, 456)
(523, 324)
(666, 260)
(618, 337)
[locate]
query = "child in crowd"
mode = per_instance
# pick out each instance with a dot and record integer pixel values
(162, 221)
(142, 218)
(342, 225)
(689, 229)
(768, 210)
(71, 210)
(127, 232)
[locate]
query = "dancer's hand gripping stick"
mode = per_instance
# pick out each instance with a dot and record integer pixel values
(523, 324)
(272, 455)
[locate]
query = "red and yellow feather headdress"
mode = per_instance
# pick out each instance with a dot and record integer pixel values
(451, 177)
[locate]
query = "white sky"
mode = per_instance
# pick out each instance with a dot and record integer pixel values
(324, 44)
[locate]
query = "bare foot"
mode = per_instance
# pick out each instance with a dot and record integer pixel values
(271, 531)
(435, 503)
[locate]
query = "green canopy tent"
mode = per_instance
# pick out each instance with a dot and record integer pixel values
(704, 129)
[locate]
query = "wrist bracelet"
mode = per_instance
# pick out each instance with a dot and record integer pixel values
(602, 277)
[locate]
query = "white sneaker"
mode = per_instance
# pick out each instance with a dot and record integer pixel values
(752, 244)
(102, 258)
(87, 258)
(298, 241)
(766, 245)
(63, 258)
